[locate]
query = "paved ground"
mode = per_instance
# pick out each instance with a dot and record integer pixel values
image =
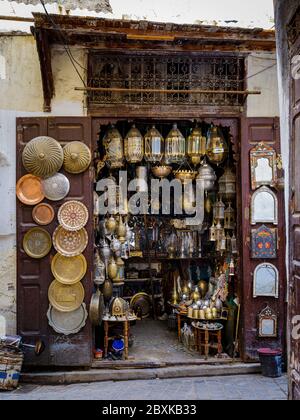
(249, 387)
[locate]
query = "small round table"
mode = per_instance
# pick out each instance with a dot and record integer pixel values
(208, 335)
(112, 321)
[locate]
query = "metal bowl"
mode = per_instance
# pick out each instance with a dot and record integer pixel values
(161, 171)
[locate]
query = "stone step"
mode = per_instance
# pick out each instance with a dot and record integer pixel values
(101, 375)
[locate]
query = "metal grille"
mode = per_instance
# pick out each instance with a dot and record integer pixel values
(166, 73)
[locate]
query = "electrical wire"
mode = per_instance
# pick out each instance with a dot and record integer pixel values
(261, 71)
(66, 47)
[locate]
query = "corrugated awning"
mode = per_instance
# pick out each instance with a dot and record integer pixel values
(92, 5)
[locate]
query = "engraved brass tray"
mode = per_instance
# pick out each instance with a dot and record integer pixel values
(43, 156)
(68, 270)
(70, 244)
(29, 190)
(37, 243)
(43, 214)
(77, 157)
(56, 187)
(66, 298)
(67, 323)
(73, 215)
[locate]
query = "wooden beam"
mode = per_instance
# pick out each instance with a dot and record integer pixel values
(17, 18)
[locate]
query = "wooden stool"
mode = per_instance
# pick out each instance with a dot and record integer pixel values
(107, 325)
(205, 337)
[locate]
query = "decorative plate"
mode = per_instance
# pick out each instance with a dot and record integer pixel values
(65, 298)
(43, 156)
(67, 323)
(43, 214)
(73, 215)
(141, 304)
(68, 270)
(77, 157)
(56, 187)
(29, 190)
(70, 244)
(37, 243)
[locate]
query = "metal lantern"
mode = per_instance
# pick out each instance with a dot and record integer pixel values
(174, 146)
(213, 233)
(217, 148)
(134, 146)
(219, 232)
(229, 218)
(113, 143)
(196, 145)
(208, 175)
(234, 248)
(121, 271)
(219, 210)
(227, 184)
(222, 243)
(154, 145)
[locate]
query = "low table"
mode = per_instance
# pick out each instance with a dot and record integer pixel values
(204, 337)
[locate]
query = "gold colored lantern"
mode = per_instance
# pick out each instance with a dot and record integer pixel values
(227, 184)
(113, 143)
(220, 210)
(174, 146)
(134, 146)
(229, 222)
(154, 145)
(112, 269)
(196, 145)
(213, 233)
(217, 148)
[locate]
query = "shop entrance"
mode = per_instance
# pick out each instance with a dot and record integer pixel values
(179, 280)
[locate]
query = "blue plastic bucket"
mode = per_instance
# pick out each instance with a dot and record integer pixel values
(271, 362)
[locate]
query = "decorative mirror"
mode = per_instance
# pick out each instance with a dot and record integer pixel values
(264, 243)
(264, 206)
(267, 323)
(263, 166)
(266, 281)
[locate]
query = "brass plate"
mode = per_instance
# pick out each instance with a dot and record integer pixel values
(29, 190)
(43, 214)
(37, 243)
(56, 187)
(65, 298)
(43, 156)
(96, 308)
(68, 270)
(70, 244)
(67, 323)
(73, 215)
(77, 157)
(144, 301)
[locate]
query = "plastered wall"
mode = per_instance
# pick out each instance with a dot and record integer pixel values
(21, 96)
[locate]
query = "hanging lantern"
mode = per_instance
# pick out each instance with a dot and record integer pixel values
(234, 244)
(227, 184)
(154, 145)
(213, 233)
(113, 144)
(222, 243)
(121, 271)
(134, 146)
(220, 210)
(228, 243)
(231, 268)
(229, 218)
(208, 175)
(174, 146)
(196, 145)
(219, 231)
(217, 148)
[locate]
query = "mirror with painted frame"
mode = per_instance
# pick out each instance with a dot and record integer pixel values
(263, 162)
(264, 206)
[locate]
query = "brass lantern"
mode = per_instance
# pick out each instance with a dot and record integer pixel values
(213, 233)
(220, 210)
(227, 184)
(174, 146)
(229, 222)
(134, 146)
(113, 144)
(196, 145)
(154, 145)
(208, 175)
(217, 148)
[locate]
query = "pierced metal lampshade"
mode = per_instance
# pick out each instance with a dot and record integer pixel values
(196, 145)
(113, 144)
(227, 184)
(154, 145)
(217, 148)
(134, 146)
(174, 146)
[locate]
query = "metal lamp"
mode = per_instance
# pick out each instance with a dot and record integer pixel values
(174, 146)
(154, 145)
(113, 143)
(196, 145)
(134, 146)
(217, 148)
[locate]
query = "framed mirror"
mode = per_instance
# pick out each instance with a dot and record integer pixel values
(263, 166)
(264, 206)
(267, 323)
(266, 281)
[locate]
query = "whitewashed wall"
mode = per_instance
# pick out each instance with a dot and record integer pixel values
(21, 95)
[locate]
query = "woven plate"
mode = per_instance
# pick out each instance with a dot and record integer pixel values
(43, 156)
(68, 270)
(29, 190)
(73, 215)
(37, 243)
(70, 244)
(43, 214)
(77, 157)
(65, 298)
(56, 187)
(67, 323)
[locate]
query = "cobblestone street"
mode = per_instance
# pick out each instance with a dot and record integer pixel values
(249, 387)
